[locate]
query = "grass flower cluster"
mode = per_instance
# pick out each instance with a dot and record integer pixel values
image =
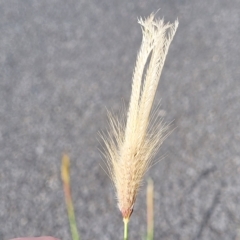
(131, 143)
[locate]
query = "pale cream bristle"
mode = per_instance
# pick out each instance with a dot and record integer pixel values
(131, 145)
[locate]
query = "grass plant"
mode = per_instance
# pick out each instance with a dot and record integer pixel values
(131, 143)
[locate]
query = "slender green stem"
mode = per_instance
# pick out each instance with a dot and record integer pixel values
(65, 168)
(125, 220)
(72, 222)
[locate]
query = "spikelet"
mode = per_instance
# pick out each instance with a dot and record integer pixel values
(131, 145)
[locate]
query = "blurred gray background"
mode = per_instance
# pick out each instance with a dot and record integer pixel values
(63, 63)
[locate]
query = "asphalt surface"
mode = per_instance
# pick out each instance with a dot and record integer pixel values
(62, 63)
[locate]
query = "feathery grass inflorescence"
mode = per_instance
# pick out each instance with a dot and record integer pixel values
(131, 145)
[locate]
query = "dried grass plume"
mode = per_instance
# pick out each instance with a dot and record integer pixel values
(131, 144)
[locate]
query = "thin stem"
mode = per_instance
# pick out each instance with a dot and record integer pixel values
(72, 222)
(68, 198)
(125, 220)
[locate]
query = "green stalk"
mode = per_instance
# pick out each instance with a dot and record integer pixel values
(68, 198)
(72, 222)
(125, 235)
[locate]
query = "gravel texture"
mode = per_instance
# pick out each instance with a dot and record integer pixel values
(63, 63)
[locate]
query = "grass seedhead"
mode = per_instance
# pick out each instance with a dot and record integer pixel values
(131, 144)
